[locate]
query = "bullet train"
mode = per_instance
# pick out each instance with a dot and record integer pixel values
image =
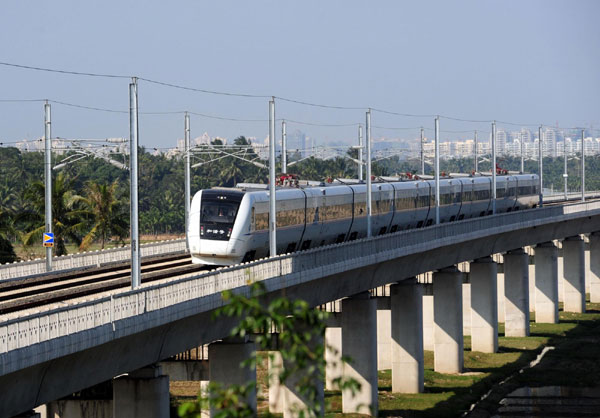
(231, 225)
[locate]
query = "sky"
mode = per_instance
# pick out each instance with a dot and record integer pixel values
(523, 62)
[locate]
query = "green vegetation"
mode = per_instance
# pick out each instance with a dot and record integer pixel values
(91, 197)
(300, 332)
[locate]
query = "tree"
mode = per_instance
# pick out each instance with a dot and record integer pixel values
(301, 332)
(7, 252)
(66, 217)
(108, 214)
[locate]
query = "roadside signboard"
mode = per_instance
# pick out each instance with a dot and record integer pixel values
(48, 239)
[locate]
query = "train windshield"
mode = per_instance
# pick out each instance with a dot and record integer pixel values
(218, 211)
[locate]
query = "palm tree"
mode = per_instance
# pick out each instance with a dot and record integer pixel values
(7, 253)
(66, 216)
(108, 214)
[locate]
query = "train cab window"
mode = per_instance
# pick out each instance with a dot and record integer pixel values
(218, 211)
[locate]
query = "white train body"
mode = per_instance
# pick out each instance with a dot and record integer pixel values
(230, 225)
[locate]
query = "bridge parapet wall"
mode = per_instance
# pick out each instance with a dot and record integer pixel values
(88, 259)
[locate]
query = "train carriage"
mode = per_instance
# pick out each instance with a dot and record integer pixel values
(231, 225)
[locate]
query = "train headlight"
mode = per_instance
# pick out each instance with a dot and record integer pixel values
(228, 232)
(202, 230)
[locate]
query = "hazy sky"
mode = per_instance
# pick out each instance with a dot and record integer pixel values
(519, 61)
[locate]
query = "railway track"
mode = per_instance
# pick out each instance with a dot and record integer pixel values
(31, 292)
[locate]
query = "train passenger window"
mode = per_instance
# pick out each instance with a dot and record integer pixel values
(261, 221)
(360, 209)
(290, 217)
(405, 203)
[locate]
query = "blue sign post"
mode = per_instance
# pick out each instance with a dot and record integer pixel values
(48, 239)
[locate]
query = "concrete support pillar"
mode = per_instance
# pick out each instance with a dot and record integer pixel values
(427, 319)
(595, 267)
(484, 305)
(296, 403)
(447, 318)
(561, 269)
(531, 275)
(276, 396)
(384, 336)
(141, 394)
(516, 290)
(75, 408)
(224, 365)
(574, 274)
(546, 283)
(501, 298)
(359, 344)
(333, 356)
(466, 300)
(587, 273)
(407, 337)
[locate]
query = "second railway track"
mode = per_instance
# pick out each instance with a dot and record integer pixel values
(31, 292)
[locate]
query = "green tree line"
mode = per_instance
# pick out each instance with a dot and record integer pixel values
(91, 197)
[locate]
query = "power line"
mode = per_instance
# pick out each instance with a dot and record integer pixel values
(99, 109)
(52, 70)
(226, 118)
(399, 128)
(198, 90)
(409, 115)
(21, 100)
(319, 124)
(318, 104)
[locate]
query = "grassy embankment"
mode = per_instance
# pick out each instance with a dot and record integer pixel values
(37, 251)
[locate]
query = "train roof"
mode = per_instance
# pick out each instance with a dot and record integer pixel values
(303, 184)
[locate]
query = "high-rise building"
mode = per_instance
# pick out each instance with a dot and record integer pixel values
(526, 135)
(549, 142)
(501, 141)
